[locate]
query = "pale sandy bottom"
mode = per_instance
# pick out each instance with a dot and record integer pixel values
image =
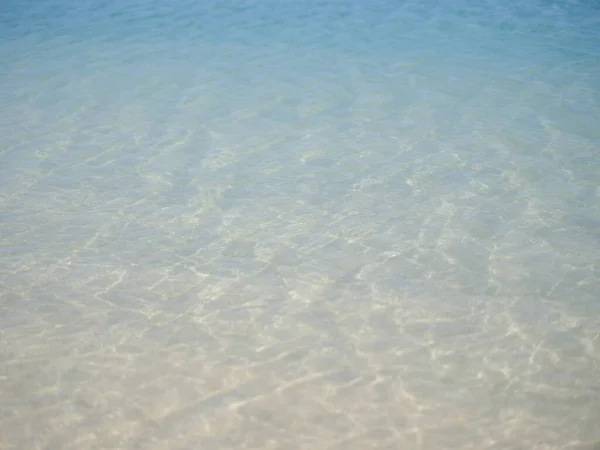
(250, 363)
(194, 258)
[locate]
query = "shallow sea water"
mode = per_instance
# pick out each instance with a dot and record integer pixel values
(300, 225)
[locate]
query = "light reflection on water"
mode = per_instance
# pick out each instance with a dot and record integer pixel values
(274, 232)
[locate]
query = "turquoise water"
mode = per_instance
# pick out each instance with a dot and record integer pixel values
(299, 225)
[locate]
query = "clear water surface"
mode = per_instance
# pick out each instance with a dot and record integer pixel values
(300, 224)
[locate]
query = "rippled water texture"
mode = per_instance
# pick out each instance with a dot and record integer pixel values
(299, 225)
